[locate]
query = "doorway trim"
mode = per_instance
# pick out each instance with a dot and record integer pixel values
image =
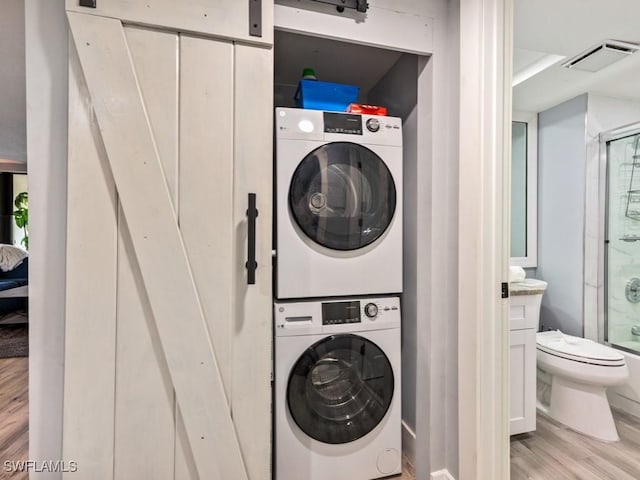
(46, 47)
(486, 44)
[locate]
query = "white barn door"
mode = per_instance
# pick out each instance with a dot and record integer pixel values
(168, 344)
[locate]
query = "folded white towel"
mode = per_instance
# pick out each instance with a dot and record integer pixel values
(516, 274)
(11, 257)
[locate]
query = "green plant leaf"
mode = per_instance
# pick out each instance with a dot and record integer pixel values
(21, 200)
(21, 216)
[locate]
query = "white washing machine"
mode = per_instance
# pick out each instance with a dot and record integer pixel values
(337, 389)
(338, 204)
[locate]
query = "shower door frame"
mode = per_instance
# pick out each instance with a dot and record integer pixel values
(603, 220)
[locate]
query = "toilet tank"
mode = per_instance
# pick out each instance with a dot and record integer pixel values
(524, 303)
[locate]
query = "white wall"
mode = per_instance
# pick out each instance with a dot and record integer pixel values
(12, 89)
(398, 90)
(401, 25)
(446, 154)
(561, 213)
(46, 93)
(430, 334)
(437, 237)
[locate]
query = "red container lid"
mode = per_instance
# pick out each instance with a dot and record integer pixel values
(367, 109)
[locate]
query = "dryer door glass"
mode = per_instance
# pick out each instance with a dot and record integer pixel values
(340, 389)
(342, 196)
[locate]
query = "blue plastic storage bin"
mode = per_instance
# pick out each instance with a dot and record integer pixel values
(334, 97)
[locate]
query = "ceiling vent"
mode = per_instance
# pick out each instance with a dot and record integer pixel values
(601, 56)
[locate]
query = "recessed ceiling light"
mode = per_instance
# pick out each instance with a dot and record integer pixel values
(602, 55)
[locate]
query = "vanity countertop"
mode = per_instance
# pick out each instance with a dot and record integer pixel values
(529, 286)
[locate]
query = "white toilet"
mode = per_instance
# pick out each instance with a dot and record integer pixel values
(580, 371)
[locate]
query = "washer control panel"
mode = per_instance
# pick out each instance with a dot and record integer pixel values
(338, 315)
(371, 310)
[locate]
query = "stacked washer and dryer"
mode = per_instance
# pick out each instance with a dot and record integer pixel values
(338, 274)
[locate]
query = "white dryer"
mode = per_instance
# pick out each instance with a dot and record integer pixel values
(338, 204)
(337, 389)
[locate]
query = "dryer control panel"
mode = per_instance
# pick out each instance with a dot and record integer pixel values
(342, 123)
(318, 125)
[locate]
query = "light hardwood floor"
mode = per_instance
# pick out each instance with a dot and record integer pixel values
(14, 418)
(553, 452)
(14, 414)
(408, 472)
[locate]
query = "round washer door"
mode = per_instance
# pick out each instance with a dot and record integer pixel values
(340, 389)
(342, 196)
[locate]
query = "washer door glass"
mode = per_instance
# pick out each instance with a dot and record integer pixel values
(342, 196)
(340, 389)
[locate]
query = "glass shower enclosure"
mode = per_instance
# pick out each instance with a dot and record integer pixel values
(622, 242)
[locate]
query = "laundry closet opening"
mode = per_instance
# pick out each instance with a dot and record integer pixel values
(386, 78)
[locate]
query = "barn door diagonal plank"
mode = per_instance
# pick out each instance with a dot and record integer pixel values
(157, 242)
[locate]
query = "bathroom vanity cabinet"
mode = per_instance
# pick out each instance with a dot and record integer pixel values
(524, 313)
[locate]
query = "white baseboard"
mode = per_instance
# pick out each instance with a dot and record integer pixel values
(441, 475)
(409, 449)
(409, 443)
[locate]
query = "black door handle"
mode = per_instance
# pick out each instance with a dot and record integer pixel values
(251, 264)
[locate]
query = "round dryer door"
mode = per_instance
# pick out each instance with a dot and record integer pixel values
(340, 389)
(342, 196)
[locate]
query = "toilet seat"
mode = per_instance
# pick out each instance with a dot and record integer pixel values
(578, 349)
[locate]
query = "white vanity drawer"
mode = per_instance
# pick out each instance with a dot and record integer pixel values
(524, 311)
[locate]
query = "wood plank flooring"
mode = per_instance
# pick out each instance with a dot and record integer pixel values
(553, 452)
(14, 419)
(408, 472)
(14, 414)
